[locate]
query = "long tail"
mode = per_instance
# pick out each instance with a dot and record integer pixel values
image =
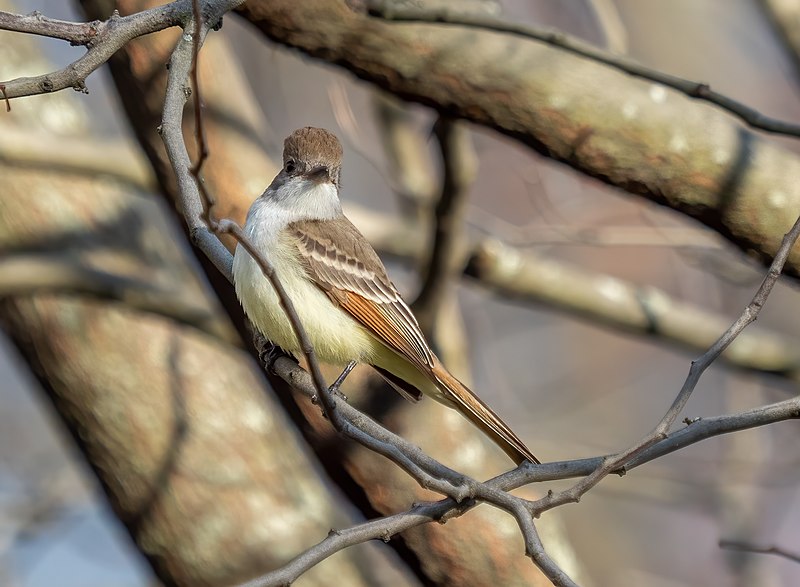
(469, 404)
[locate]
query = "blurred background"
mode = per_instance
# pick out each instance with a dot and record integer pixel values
(571, 384)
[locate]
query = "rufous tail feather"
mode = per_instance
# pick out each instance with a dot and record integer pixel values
(481, 415)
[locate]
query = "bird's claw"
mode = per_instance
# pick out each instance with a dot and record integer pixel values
(268, 353)
(334, 388)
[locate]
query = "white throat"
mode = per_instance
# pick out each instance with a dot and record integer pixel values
(297, 199)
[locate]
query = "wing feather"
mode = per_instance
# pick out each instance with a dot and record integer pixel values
(352, 274)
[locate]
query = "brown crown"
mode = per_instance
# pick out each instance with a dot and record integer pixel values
(314, 147)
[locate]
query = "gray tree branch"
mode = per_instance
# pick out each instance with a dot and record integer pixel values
(355, 424)
(567, 107)
(109, 37)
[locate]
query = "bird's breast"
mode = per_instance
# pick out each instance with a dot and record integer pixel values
(336, 337)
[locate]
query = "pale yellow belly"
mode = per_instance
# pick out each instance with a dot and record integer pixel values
(335, 336)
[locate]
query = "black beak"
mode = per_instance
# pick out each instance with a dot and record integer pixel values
(318, 174)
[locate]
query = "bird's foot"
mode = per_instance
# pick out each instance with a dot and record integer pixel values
(334, 388)
(268, 353)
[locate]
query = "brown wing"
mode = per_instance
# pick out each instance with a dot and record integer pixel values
(352, 274)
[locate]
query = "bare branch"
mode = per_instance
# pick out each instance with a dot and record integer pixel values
(624, 305)
(110, 36)
(385, 528)
(754, 548)
(463, 489)
(659, 433)
(77, 33)
(697, 90)
(702, 151)
(191, 201)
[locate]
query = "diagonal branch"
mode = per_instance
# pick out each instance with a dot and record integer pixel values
(698, 367)
(707, 165)
(385, 528)
(698, 90)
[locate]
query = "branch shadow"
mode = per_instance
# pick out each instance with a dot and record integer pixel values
(159, 483)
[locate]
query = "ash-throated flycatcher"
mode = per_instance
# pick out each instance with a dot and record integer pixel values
(344, 299)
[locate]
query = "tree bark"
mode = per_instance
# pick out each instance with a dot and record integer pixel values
(641, 137)
(195, 455)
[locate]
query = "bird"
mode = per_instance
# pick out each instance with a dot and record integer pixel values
(348, 306)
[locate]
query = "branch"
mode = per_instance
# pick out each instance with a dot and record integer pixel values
(698, 90)
(698, 367)
(464, 490)
(708, 166)
(77, 33)
(108, 38)
(624, 306)
(746, 547)
(460, 167)
(610, 301)
(385, 528)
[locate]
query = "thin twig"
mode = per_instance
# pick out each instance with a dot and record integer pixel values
(747, 547)
(698, 367)
(200, 132)
(385, 528)
(698, 90)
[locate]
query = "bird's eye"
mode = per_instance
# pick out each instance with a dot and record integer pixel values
(290, 166)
